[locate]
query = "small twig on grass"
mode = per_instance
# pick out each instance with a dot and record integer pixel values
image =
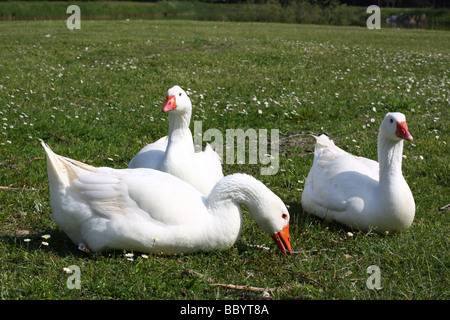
(266, 291)
(313, 281)
(446, 207)
(296, 135)
(317, 250)
(16, 189)
(298, 251)
(59, 138)
(34, 159)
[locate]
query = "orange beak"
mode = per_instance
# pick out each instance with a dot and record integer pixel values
(171, 104)
(403, 132)
(283, 240)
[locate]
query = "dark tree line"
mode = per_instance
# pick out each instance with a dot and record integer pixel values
(364, 3)
(399, 3)
(324, 3)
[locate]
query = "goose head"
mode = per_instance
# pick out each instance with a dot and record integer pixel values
(394, 128)
(264, 206)
(277, 224)
(271, 214)
(177, 101)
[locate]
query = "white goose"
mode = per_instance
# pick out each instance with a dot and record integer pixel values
(146, 210)
(360, 192)
(175, 153)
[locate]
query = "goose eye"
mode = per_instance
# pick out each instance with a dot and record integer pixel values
(284, 215)
(391, 120)
(179, 94)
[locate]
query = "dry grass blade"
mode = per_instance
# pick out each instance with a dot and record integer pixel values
(265, 291)
(16, 189)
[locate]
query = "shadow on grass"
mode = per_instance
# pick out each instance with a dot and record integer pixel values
(58, 243)
(302, 226)
(301, 220)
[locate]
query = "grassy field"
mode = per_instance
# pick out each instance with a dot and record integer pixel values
(95, 95)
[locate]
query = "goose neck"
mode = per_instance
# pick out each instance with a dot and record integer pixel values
(179, 126)
(390, 159)
(235, 190)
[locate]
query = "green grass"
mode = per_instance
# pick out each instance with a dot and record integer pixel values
(95, 95)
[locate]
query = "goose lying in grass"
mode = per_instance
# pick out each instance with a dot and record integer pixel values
(148, 210)
(175, 153)
(360, 192)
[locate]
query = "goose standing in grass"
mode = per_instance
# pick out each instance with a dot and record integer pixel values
(360, 192)
(148, 210)
(175, 153)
